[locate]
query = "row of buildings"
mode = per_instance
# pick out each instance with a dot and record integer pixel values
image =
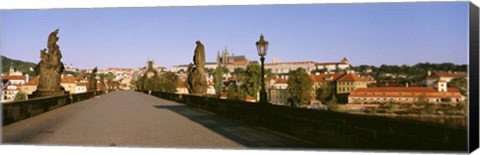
(232, 61)
(341, 83)
(357, 89)
(349, 86)
(15, 82)
(436, 91)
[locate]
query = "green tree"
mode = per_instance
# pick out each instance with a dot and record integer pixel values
(139, 83)
(20, 96)
(390, 107)
(300, 85)
(109, 76)
(324, 92)
(251, 81)
(168, 82)
(460, 84)
(218, 80)
(226, 70)
(462, 107)
(152, 83)
(210, 71)
(232, 92)
(424, 106)
(332, 104)
(239, 72)
(18, 65)
(269, 74)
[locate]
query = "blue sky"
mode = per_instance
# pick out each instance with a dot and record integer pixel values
(374, 33)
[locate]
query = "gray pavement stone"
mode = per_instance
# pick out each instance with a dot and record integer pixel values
(132, 119)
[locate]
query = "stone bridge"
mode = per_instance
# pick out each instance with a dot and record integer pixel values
(133, 119)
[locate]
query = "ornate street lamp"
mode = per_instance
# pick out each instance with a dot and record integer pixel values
(262, 47)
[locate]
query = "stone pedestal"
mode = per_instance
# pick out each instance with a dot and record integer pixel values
(46, 93)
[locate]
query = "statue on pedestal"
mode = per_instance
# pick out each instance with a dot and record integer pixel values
(196, 80)
(92, 81)
(49, 70)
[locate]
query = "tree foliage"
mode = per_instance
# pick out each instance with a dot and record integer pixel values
(390, 107)
(300, 85)
(151, 83)
(459, 83)
(20, 96)
(324, 92)
(251, 81)
(22, 66)
(210, 71)
(168, 82)
(332, 104)
(239, 72)
(233, 92)
(405, 73)
(218, 80)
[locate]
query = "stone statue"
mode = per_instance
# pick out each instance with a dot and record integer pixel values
(49, 69)
(196, 80)
(92, 81)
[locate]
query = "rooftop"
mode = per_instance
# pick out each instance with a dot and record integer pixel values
(404, 92)
(326, 77)
(13, 77)
(448, 74)
(354, 77)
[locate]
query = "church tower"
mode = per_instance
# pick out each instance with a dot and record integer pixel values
(344, 60)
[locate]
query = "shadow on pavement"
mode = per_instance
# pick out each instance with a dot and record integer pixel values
(238, 132)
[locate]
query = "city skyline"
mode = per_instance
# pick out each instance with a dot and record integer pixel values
(372, 34)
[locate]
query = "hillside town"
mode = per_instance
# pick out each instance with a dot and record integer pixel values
(351, 90)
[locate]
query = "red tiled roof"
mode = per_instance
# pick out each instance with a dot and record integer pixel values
(68, 79)
(240, 63)
(446, 74)
(326, 77)
(404, 92)
(32, 82)
(281, 81)
(353, 77)
(396, 89)
(79, 77)
(86, 84)
(13, 77)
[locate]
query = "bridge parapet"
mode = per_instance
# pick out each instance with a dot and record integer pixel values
(335, 129)
(20, 110)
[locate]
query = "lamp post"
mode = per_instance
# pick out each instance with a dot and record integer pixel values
(262, 46)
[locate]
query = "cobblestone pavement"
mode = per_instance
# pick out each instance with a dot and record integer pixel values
(132, 119)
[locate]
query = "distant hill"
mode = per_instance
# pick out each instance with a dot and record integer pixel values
(19, 65)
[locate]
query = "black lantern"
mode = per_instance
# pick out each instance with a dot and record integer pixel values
(262, 47)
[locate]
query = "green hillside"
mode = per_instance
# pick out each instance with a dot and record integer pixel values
(19, 65)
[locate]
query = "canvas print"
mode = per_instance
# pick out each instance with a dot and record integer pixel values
(366, 76)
